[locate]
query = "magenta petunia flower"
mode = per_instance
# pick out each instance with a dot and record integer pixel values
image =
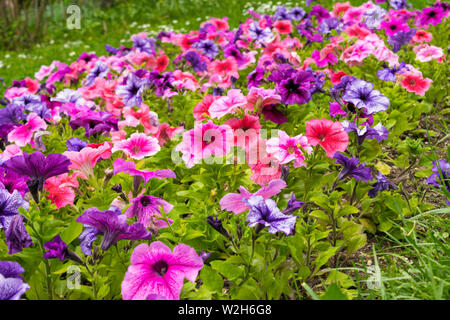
(328, 134)
(204, 140)
(138, 146)
(237, 202)
(129, 167)
(158, 271)
(287, 149)
(22, 135)
(228, 104)
(146, 209)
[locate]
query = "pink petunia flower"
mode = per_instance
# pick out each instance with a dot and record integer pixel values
(138, 146)
(204, 140)
(328, 134)
(10, 151)
(201, 110)
(84, 161)
(258, 98)
(287, 149)
(227, 104)
(426, 53)
(422, 36)
(236, 202)
(23, 134)
(415, 82)
(61, 189)
(283, 26)
(156, 270)
(147, 210)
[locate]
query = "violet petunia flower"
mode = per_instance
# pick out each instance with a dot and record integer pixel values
(129, 167)
(401, 38)
(12, 286)
(144, 45)
(59, 249)
(87, 237)
(37, 168)
(12, 114)
(95, 122)
(297, 88)
(351, 168)
(378, 132)
(196, 62)
(255, 77)
(297, 13)
(259, 34)
(113, 225)
(293, 204)
(388, 74)
(10, 203)
(374, 16)
(131, 92)
(217, 225)
(10, 269)
(17, 237)
(382, 184)
(440, 178)
(75, 144)
(362, 95)
(207, 48)
(281, 14)
(100, 70)
(265, 213)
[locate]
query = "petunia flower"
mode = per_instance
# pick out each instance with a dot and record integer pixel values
(147, 210)
(228, 104)
(37, 168)
(352, 169)
(382, 184)
(297, 88)
(415, 82)
(12, 286)
(11, 202)
(362, 95)
(120, 165)
(113, 225)
(17, 237)
(131, 92)
(401, 38)
(265, 213)
(204, 140)
(138, 146)
(84, 161)
(293, 204)
(440, 176)
(287, 149)
(156, 270)
(237, 202)
(22, 135)
(328, 134)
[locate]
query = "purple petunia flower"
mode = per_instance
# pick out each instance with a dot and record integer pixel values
(293, 204)
(87, 237)
(374, 16)
(401, 38)
(145, 45)
(281, 14)
(398, 4)
(113, 225)
(381, 185)
(146, 208)
(11, 181)
(330, 24)
(440, 176)
(131, 92)
(208, 48)
(17, 237)
(195, 60)
(12, 114)
(10, 269)
(378, 132)
(258, 34)
(161, 82)
(362, 95)
(95, 122)
(297, 13)
(388, 74)
(255, 77)
(297, 88)
(12, 286)
(265, 213)
(69, 95)
(56, 249)
(10, 203)
(59, 249)
(351, 168)
(37, 168)
(320, 12)
(233, 51)
(100, 70)
(75, 144)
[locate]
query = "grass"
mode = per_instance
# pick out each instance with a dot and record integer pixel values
(412, 264)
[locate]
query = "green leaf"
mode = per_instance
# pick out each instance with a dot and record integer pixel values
(211, 279)
(71, 232)
(227, 269)
(333, 293)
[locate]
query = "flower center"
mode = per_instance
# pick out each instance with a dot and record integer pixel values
(145, 201)
(160, 267)
(136, 149)
(291, 150)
